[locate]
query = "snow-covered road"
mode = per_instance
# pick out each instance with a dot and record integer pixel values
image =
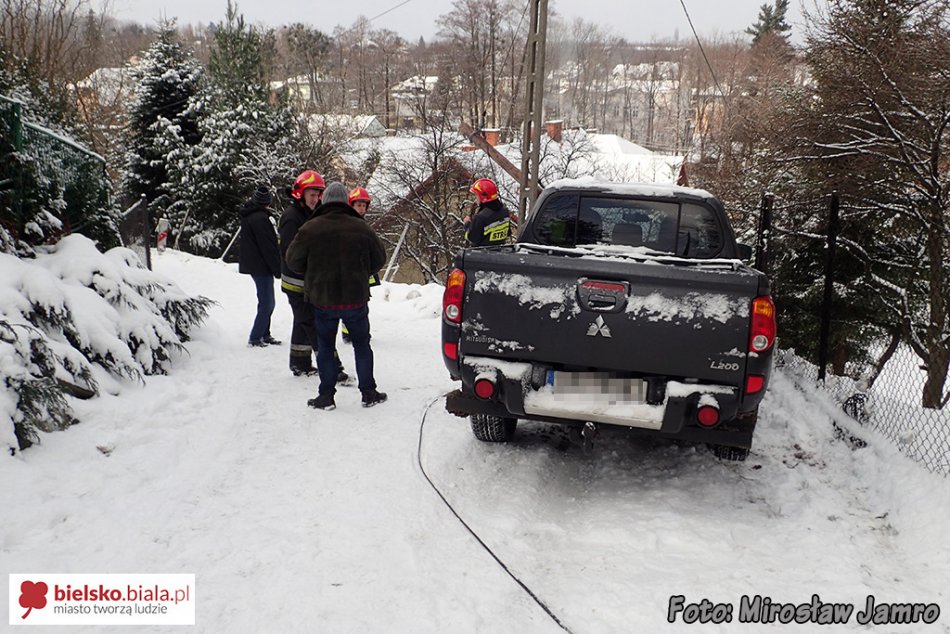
(296, 520)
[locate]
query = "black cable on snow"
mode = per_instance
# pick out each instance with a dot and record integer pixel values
(524, 587)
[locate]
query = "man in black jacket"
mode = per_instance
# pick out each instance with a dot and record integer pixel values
(491, 224)
(338, 252)
(260, 258)
(306, 194)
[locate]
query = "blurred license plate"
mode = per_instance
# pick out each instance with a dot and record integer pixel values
(590, 383)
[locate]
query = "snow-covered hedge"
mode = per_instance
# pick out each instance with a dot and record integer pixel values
(73, 308)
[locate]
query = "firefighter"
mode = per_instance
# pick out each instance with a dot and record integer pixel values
(491, 224)
(306, 195)
(359, 200)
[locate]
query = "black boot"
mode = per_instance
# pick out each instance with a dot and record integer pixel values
(323, 401)
(373, 397)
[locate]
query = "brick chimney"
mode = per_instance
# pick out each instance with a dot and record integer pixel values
(554, 129)
(491, 135)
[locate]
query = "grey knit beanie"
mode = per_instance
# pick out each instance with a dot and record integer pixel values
(335, 193)
(262, 196)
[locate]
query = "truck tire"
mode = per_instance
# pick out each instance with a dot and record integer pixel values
(489, 428)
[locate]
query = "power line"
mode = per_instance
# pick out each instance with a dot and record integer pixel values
(404, 2)
(701, 49)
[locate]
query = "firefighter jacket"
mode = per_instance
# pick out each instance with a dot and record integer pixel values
(290, 222)
(490, 226)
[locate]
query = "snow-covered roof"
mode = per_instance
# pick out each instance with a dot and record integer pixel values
(606, 157)
(353, 125)
(299, 80)
(402, 162)
(417, 83)
(615, 144)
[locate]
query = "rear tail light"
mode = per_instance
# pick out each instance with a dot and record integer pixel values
(452, 297)
(754, 383)
(451, 350)
(484, 389)
(762, 333)
(708, 416)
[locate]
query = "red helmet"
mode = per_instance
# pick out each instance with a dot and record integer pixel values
(308, 179)
(359, 193)
(485, 189)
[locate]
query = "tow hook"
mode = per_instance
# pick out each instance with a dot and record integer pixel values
(588, 433)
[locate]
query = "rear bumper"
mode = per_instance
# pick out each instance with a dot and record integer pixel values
(670, 415)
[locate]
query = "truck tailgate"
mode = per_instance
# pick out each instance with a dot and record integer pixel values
(610, 313)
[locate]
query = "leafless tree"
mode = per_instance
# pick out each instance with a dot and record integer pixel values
(426, 190)
(55, 40)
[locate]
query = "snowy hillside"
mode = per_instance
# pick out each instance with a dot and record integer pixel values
(297, 520)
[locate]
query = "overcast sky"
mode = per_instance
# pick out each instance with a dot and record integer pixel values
(642, 20)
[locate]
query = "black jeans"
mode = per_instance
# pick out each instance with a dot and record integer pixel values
(327, 320)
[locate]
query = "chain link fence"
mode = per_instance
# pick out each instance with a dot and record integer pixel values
(47, 166)
(891, 406)
(880, 385)
(135, 229)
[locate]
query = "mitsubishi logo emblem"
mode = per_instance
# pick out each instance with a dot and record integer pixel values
(598, 328)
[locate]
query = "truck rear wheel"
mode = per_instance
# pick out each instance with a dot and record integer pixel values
(489, 428)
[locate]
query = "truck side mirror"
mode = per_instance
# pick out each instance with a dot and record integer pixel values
(745, 251)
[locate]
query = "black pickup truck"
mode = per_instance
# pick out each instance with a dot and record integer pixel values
(619, 304)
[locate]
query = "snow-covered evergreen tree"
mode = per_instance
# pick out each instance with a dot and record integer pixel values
(167, 78)
(245, 141)
(771, 20)
(72, 317)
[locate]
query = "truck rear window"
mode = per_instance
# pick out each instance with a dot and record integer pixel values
(685, 229)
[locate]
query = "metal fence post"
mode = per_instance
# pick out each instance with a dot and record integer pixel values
(825, 330)
(392, 260)
(16, 125)
(764, 237)
(147, 232)
(230, 244)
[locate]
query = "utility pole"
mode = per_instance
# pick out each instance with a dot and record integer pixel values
(534, 104)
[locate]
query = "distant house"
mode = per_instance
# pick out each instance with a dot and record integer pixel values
(104, 87)
(304, 92)
(411, 98)
(351, 126)
(576, 153)
(423, 185)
